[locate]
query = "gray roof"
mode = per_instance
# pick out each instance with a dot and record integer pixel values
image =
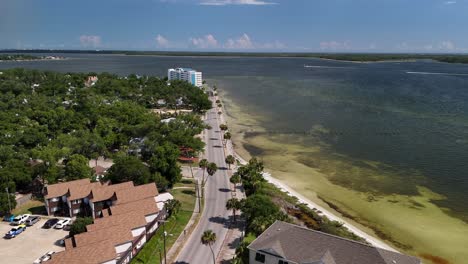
(306, 246)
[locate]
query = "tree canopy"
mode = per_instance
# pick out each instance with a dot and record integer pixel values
(52, 123)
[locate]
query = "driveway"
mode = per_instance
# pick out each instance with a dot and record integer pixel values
(29, 245)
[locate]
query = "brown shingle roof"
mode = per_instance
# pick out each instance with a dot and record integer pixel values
(106, 192)
(82, 191)
(60, 189)
(130, 220)
(92, 254)
(116, 234)
(146, 206)
(302, 245)
(138, 193)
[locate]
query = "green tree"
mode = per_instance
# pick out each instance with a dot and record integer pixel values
(77, 167)
(79, 226)
(208, 238)
(235, 179)
(161, 182)
(203, 164)
(173, 206)
(129, 168)
(211, 169)
(164, 161)
(233, 204)
(223, 127)
(230, 160)
(218, 101)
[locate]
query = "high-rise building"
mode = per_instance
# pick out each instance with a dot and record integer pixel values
(186, 74)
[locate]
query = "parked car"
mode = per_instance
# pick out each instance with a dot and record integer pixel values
(32, 220)
(20, 219)
(67, 227)
(9, 218)
(44, 258)
(50, 223)
(61, 242)
(60, 224)
(15, 231)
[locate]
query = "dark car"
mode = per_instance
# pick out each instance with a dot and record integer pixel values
(32, 220)
(50, 223)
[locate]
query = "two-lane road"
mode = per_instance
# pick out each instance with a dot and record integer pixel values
(217, 192)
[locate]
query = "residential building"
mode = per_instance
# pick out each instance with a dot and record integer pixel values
(85, 198)
(186, 74)
(285, 243)
(126, 217)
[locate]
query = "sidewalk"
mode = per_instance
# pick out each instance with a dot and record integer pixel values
(183, 237)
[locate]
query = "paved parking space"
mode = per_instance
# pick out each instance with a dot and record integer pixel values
(30, 244)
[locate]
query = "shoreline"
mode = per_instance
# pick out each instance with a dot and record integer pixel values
(335, 216)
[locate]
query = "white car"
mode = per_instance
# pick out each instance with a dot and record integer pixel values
(60, 224)
(44, 258)
(20, 219)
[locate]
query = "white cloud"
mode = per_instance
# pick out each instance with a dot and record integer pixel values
(447, 45)
(90, 41)
(235, 2)
(450, 2)
(243, 42)
(161, 41)
(335, 45)
(205, 42)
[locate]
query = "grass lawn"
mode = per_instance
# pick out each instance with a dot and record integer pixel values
(31, 207)
(174, 227)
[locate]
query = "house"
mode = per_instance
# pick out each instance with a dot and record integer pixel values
(285, 243)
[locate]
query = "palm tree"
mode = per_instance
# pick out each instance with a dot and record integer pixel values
(208, 238)
(211, 169)
(203, 164)
(230, 160)
(233, 204)
(227, 136)
(223, 127)
(235, 179)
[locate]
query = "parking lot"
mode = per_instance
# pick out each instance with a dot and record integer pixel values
(29, 245)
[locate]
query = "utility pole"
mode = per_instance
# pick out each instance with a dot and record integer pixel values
(199, 195)
(8, 195)
(164, 232)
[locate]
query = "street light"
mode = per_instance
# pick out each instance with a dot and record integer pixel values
(164, 234)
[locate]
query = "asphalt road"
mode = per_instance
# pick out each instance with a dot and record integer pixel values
(217, 192)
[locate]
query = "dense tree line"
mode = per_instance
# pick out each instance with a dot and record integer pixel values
(52, 123)
(4, 57)
(364, 57)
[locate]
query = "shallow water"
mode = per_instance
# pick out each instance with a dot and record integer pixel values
(386, 143)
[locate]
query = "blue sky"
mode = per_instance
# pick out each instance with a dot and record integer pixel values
(237, 25)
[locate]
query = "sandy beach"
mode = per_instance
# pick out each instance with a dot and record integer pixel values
(285, 188)
(397, 222)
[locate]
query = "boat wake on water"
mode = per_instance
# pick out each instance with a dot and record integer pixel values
(438, 73)
(327, 67)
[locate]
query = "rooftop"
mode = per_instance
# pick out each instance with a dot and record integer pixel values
(302, 245)
(91, 254)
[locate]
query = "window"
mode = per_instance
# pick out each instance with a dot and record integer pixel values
(76, 201)
(56, 199)
(282, 262)
(76, 211)
(54, 209)
(260, 258)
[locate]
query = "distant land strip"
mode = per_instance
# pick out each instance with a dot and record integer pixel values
(354, 57)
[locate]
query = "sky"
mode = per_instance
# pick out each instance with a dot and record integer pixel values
(428, 26)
